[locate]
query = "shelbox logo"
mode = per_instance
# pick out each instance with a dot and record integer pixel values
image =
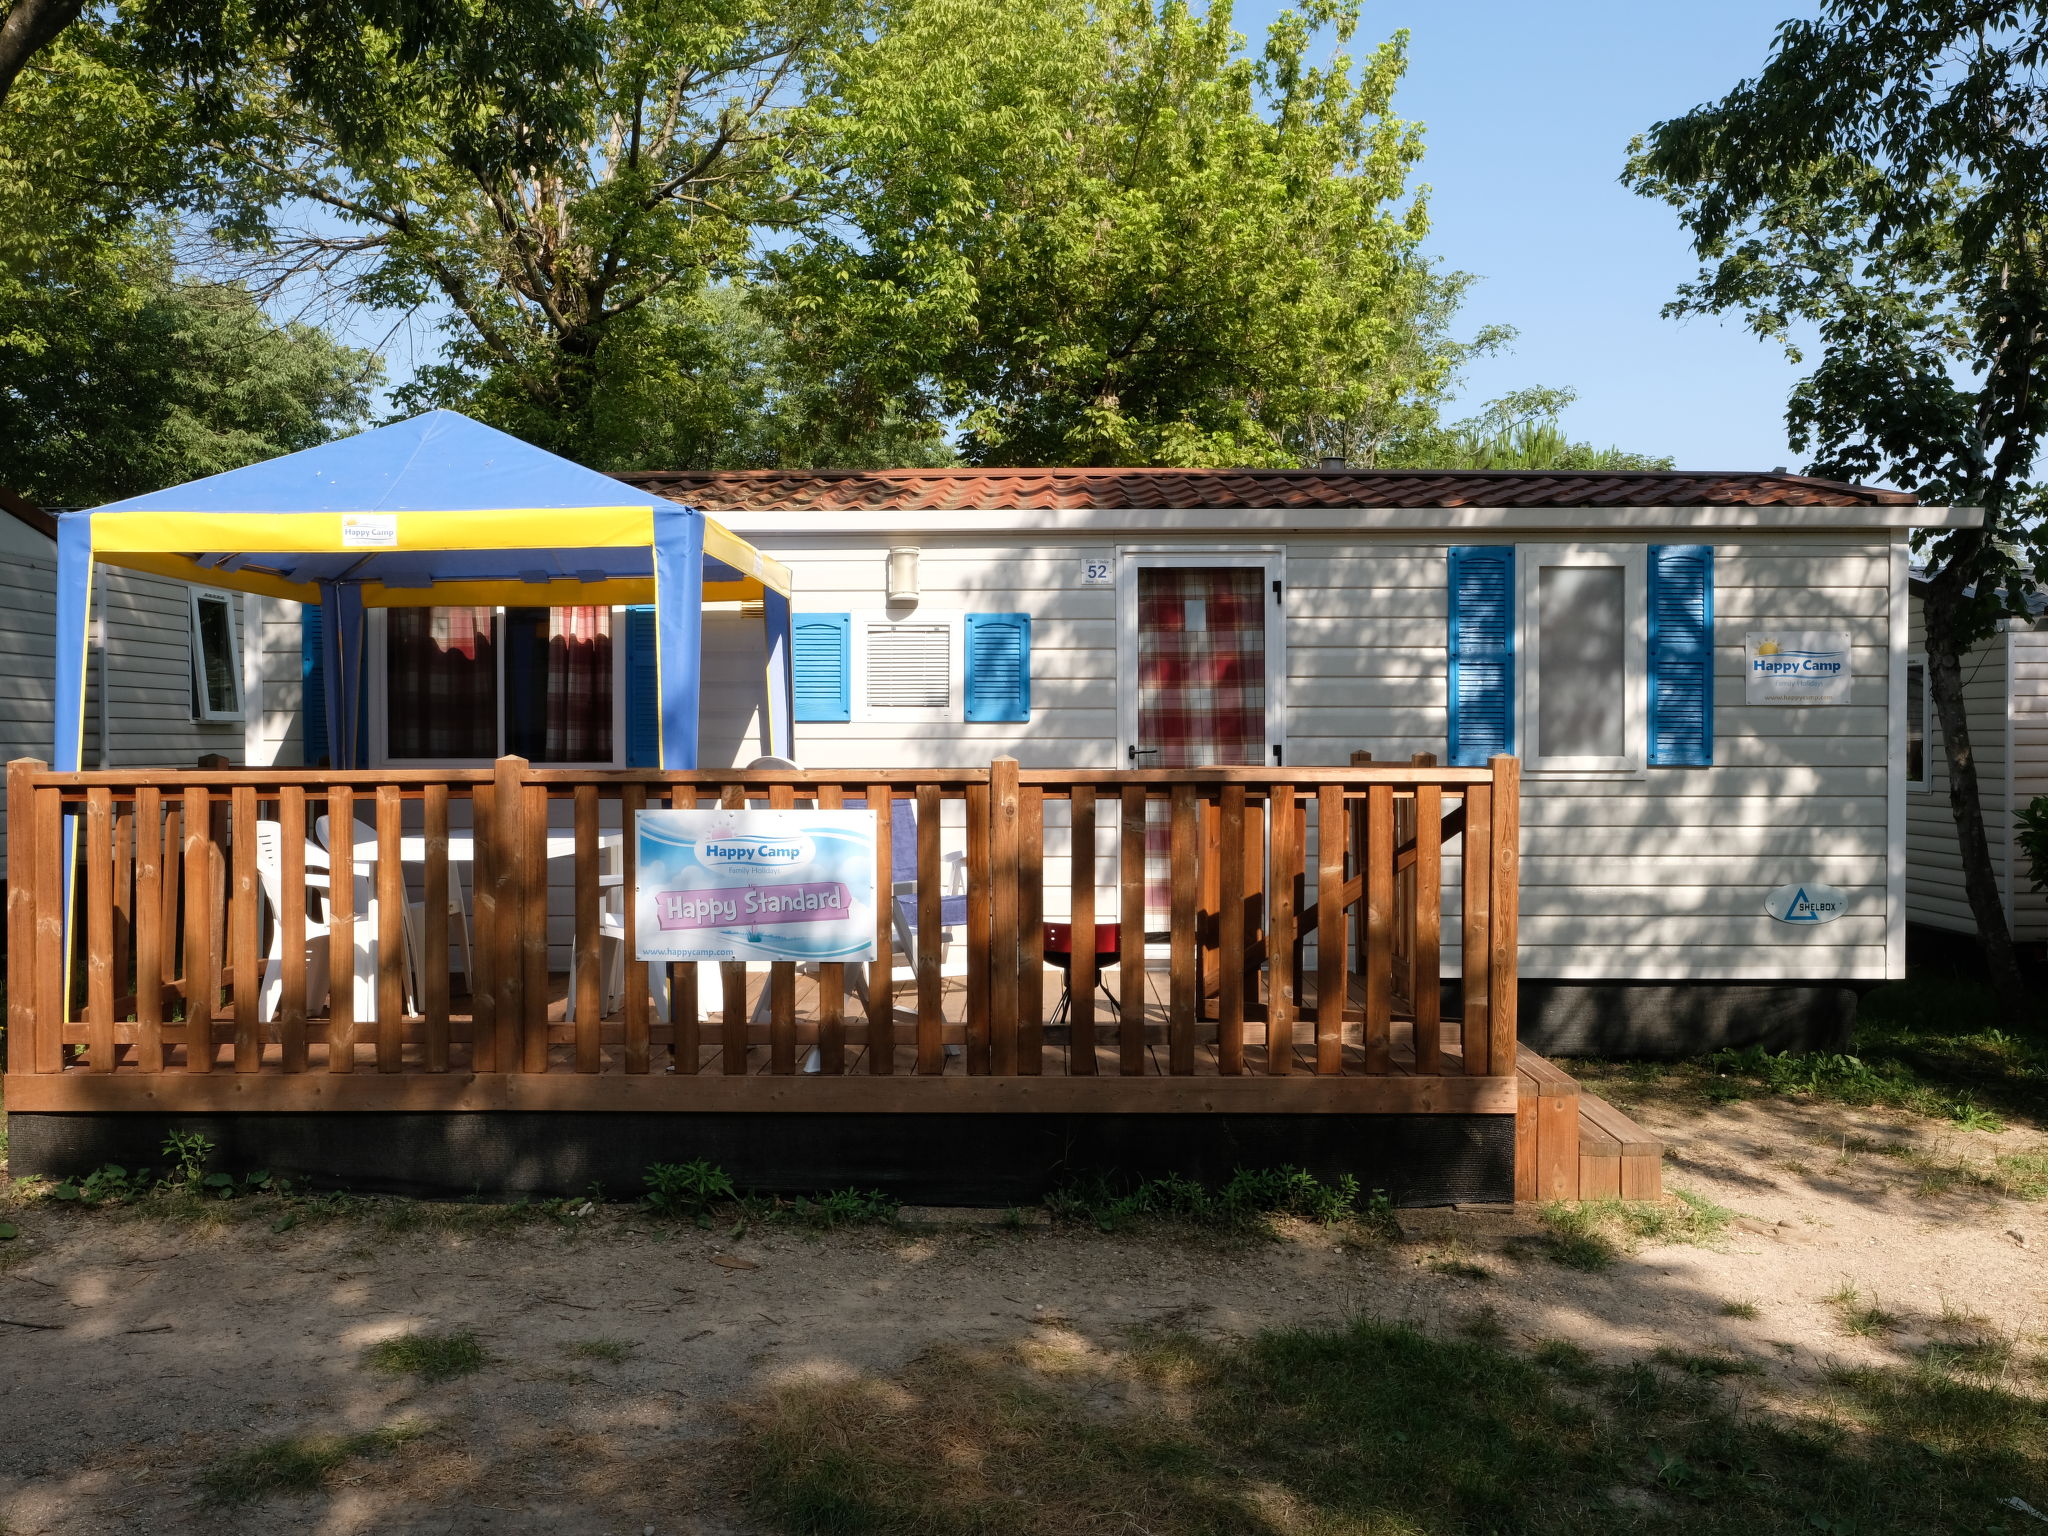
(1808, 902)
(753, 851)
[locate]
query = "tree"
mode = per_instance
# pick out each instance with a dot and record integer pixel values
(1518, 431)
(557, 256)
(1101, 234)
(1884, 179)
(120, 377)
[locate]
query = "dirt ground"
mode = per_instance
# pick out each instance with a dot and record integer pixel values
(158, 1347)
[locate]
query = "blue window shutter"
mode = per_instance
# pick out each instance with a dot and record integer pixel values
(1681, 655)
(643, 690)
(312, 689)
(1482, 635)
(998, 666)
(822, 655)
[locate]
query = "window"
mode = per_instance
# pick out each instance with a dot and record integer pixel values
(907, 669)
(1584, 636)
(1916, 724)
(216, 658)
(471, 684)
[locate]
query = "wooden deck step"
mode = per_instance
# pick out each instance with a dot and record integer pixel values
(1574, 1145)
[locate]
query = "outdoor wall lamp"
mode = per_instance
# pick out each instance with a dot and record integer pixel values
(903, 574)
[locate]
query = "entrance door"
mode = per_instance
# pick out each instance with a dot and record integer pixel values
(1202, 663)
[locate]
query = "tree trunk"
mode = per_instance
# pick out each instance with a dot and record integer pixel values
(28, 27)
(1980, 881)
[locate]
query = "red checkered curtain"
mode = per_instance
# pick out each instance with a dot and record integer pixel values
(1202, 666)
(1201, 689)
(579, 696)
(442, 683)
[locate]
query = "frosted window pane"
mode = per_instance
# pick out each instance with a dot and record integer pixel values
(1580, 697)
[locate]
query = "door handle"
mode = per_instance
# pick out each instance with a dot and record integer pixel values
(1133, 752)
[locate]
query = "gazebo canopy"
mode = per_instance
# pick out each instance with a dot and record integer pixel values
(431, 511)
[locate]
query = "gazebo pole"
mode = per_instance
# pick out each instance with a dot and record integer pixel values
(776, 707)
(679, 629)
(342, 643)
(74, 634)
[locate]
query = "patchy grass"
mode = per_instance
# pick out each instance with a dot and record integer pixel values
(1931, 1044)
(1707, 1364)
(1861, 1317)
(1748, 1311)
(1243, 1204)
(1373, 1430)
(429, 1356)
(296, 1463)
(1592, 1234)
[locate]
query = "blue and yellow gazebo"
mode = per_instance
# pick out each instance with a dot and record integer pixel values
(431, 511)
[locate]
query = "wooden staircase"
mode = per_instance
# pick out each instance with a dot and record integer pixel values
(1574, 1145)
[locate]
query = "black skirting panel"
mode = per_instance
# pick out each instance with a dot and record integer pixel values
(935, 1159)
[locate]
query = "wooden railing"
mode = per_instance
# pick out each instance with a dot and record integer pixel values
(1289, 922)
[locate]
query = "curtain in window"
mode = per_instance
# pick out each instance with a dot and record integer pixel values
(579, 685)
(442, 677)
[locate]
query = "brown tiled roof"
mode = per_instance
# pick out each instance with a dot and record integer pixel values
(992, 490)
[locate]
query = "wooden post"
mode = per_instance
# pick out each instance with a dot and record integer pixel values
(1477, 938)
(1426, 951)
(202, 984)
(931, 1047)
(485, 946)
(832, 975)
(341, 925)
(149, 927)
(1503, 956)
(1231, 937)
(22, 872)
(291, 927)
(1183, 830)
(508, 879)
(533, 933)
(978, 938)
(882, 971)
(589, 999)
(1379, 928)
(1131, 930)
(99, 927)
(53, 1000)
(390, 888)
(782, 977)
(1004, 950)
(1280, 995)
(434, 938)
(1332, 974)
(1031, 931)
(1081, 973)
(245, 926)
(638, 1047)
(732, 982)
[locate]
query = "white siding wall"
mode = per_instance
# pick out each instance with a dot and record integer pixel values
(148, 646)
(1658, 877)
(2008, 672)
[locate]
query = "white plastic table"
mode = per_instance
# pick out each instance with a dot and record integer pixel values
(412, 849)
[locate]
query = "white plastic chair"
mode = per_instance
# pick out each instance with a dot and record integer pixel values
(270, 875)
(414, 919)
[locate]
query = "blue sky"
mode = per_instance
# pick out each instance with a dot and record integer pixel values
(1529, 108)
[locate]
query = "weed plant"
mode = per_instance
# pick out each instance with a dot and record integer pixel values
(432, 1357)
(1251, 1195)
(295, 1464)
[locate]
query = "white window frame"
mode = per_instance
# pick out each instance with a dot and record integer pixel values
(380, 696)
(1633, 561)
(1926, 780)
(954, 620)
(1271, 562)
(202, 707)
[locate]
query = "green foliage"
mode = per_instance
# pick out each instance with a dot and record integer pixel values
(123, 377)
(687, 1189)
(1850, 1080)
(1106, 235)
(1517, 431)
(432, 1357)
(296, 1463)
(1592, 1234)
(1251, 1193)
(2033, 840)
(846, 1208)
(188, 1152)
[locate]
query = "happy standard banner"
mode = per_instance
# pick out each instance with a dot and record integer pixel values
(755, 885)
(1796, 667)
